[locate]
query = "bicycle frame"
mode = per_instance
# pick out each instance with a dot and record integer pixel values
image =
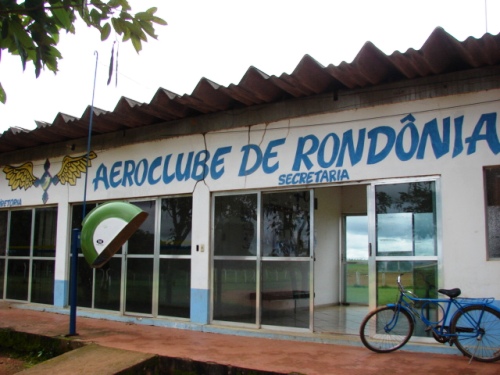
(448, 307)
(471, 324)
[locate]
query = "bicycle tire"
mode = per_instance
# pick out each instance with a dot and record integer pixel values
(374, 334)
(486, 346)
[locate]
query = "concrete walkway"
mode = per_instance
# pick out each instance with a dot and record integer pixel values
(280, 356)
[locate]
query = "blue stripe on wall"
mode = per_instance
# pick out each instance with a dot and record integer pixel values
(200, 306)
(61, 288)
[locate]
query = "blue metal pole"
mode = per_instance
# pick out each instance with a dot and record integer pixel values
(75, 239)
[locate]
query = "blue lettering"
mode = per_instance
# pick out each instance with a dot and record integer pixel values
(154, 165)
(355, 154)
(333, 175)
(166, 177)
(301, 178)
(301, 156)
(491, 137)
(179, 173)
(115, 172)
(200, 163)
(217, 161)
(101, 175)
(373, 156)
(439, 146)
(400, 151)
(458, 146)
(244, 161)
(128, 173)
(138, 176)
(323, 163)
(269, 154)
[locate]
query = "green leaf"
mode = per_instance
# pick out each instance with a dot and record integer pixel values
(106, 30)
(143, 16)
(55, 52)
(136, 42)
(63, 15)
(3, 95)
(117, 25)
(95, 17)
(159, 21)
(148, 28)
(20, 34)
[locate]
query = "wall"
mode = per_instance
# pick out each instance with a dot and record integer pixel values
(451, 137)
(327, 245)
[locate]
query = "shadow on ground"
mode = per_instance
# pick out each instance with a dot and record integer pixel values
(62, 355)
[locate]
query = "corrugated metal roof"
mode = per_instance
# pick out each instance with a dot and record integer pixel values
(440, 54)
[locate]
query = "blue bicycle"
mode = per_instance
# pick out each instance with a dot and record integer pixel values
(472, 324)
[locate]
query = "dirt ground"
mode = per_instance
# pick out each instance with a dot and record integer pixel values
(9, 366)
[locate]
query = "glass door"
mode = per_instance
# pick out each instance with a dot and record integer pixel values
(235, 258)
(404, 240)
(287, 260)
(263, 259)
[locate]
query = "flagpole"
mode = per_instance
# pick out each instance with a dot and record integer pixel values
(75, 239)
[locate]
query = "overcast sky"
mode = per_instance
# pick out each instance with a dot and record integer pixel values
(220, 40)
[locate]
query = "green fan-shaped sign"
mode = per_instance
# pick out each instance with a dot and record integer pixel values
(106, 228)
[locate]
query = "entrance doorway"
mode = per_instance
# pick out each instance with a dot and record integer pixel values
(341, 269)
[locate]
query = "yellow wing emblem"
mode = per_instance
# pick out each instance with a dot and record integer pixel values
(73, 167)
(20, 177)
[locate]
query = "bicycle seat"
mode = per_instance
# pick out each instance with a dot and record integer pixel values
(452, 293)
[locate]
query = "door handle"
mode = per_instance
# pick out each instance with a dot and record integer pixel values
(369, 249)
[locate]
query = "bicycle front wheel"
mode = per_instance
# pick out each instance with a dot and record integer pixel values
(477, 330)
(386, 329)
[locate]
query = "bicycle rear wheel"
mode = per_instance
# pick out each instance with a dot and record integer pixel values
(386, 329)
(478, 332)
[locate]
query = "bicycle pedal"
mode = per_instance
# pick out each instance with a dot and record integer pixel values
(428, 329)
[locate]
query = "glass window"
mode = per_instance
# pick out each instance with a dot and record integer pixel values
(143, 240)
(235, 220)
(23, 269)
(85, 274)
(3, 248)
(84, 284)
(286, 224)
(44, 244)
(406, 220)
(2, 275)
(175, 287)
(139, 285)
(42, 282)
(234, 291)
(18, 272)
(418, 276)
(175, 233)
(174, 292)
(3, 232)
(20, 233)
(107, 285)
(492, 182)
(285, 294)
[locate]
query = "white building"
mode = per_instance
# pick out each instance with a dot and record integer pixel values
(273, 203)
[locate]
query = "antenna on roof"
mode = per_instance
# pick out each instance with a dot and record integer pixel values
(486, 14)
